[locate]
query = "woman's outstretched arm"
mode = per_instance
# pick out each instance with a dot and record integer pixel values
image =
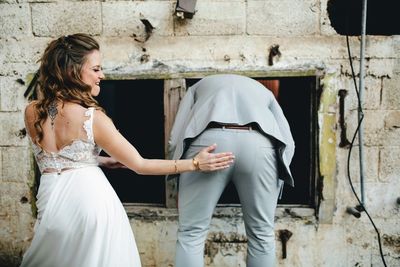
(109, 138)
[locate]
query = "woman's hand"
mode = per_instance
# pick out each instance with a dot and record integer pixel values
(109, 163)
(207, 161)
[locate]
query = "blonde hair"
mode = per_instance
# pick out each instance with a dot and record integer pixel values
(59, 76)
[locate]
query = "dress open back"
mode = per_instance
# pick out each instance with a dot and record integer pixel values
(81, 221)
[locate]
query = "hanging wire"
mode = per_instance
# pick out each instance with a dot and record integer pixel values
(30, 91)
(349, 155)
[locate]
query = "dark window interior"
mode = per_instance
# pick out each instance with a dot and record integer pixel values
(295, 97)
(345, 17)
(137, 109)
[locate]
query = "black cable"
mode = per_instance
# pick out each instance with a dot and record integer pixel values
(30, 91)
(350, 149)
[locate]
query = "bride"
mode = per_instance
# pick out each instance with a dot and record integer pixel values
(81, 221)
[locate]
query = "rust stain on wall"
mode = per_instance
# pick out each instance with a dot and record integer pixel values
(392, 241)
(225, 244)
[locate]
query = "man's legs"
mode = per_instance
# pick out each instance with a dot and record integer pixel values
(198, 195)
(258, 188)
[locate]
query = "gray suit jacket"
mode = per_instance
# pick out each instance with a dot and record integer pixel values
(231, 99)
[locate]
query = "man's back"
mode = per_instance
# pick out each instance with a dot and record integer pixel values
(230, 99)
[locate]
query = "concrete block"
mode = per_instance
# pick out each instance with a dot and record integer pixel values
(329, 246)
(326, 211)
(380, 199)
(66, 18)
(379, 127)
(119, 52)
(371, 164)
(215, 18)
(18, 70)
(124, 18)
(373, 69)
(25, 50)
(324, 49)
(11, 125)
(380, 67)
(12, 94)
(192, 50)
(268, 17)
(15, 20)
(396, 66)
(16, 163)
(383, 138)
(372, 93)
(156, 242)
(11, 194)
(389, 167)
(378, 46)
(392, 119)
(391, 92)
(375, 133)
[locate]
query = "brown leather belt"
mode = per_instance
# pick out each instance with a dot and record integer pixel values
(236, 127)
(230, 126)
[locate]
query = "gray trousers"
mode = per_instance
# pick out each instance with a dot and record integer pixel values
(254, 174)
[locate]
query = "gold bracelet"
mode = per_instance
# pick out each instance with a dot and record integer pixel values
(196, 164)
(176, 166)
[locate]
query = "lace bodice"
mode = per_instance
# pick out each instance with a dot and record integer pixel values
(79, 153)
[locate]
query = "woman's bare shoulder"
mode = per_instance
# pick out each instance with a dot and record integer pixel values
(101, 117)
(30, 110)
(102, 123)
(31, 105)
(30, 117)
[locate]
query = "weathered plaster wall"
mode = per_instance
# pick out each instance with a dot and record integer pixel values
(224, 35)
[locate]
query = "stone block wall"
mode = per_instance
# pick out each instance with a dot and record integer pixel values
(223, 36)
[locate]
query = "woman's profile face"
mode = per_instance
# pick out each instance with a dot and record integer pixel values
(92, 73)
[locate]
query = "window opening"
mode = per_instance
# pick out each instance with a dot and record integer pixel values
(296, 97)
(136, 108)
(345, 17)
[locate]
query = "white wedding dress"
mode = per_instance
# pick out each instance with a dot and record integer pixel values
(81, 221)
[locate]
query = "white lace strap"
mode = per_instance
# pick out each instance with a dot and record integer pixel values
(88, 124)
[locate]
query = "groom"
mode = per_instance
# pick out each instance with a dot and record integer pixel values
(240, 115)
